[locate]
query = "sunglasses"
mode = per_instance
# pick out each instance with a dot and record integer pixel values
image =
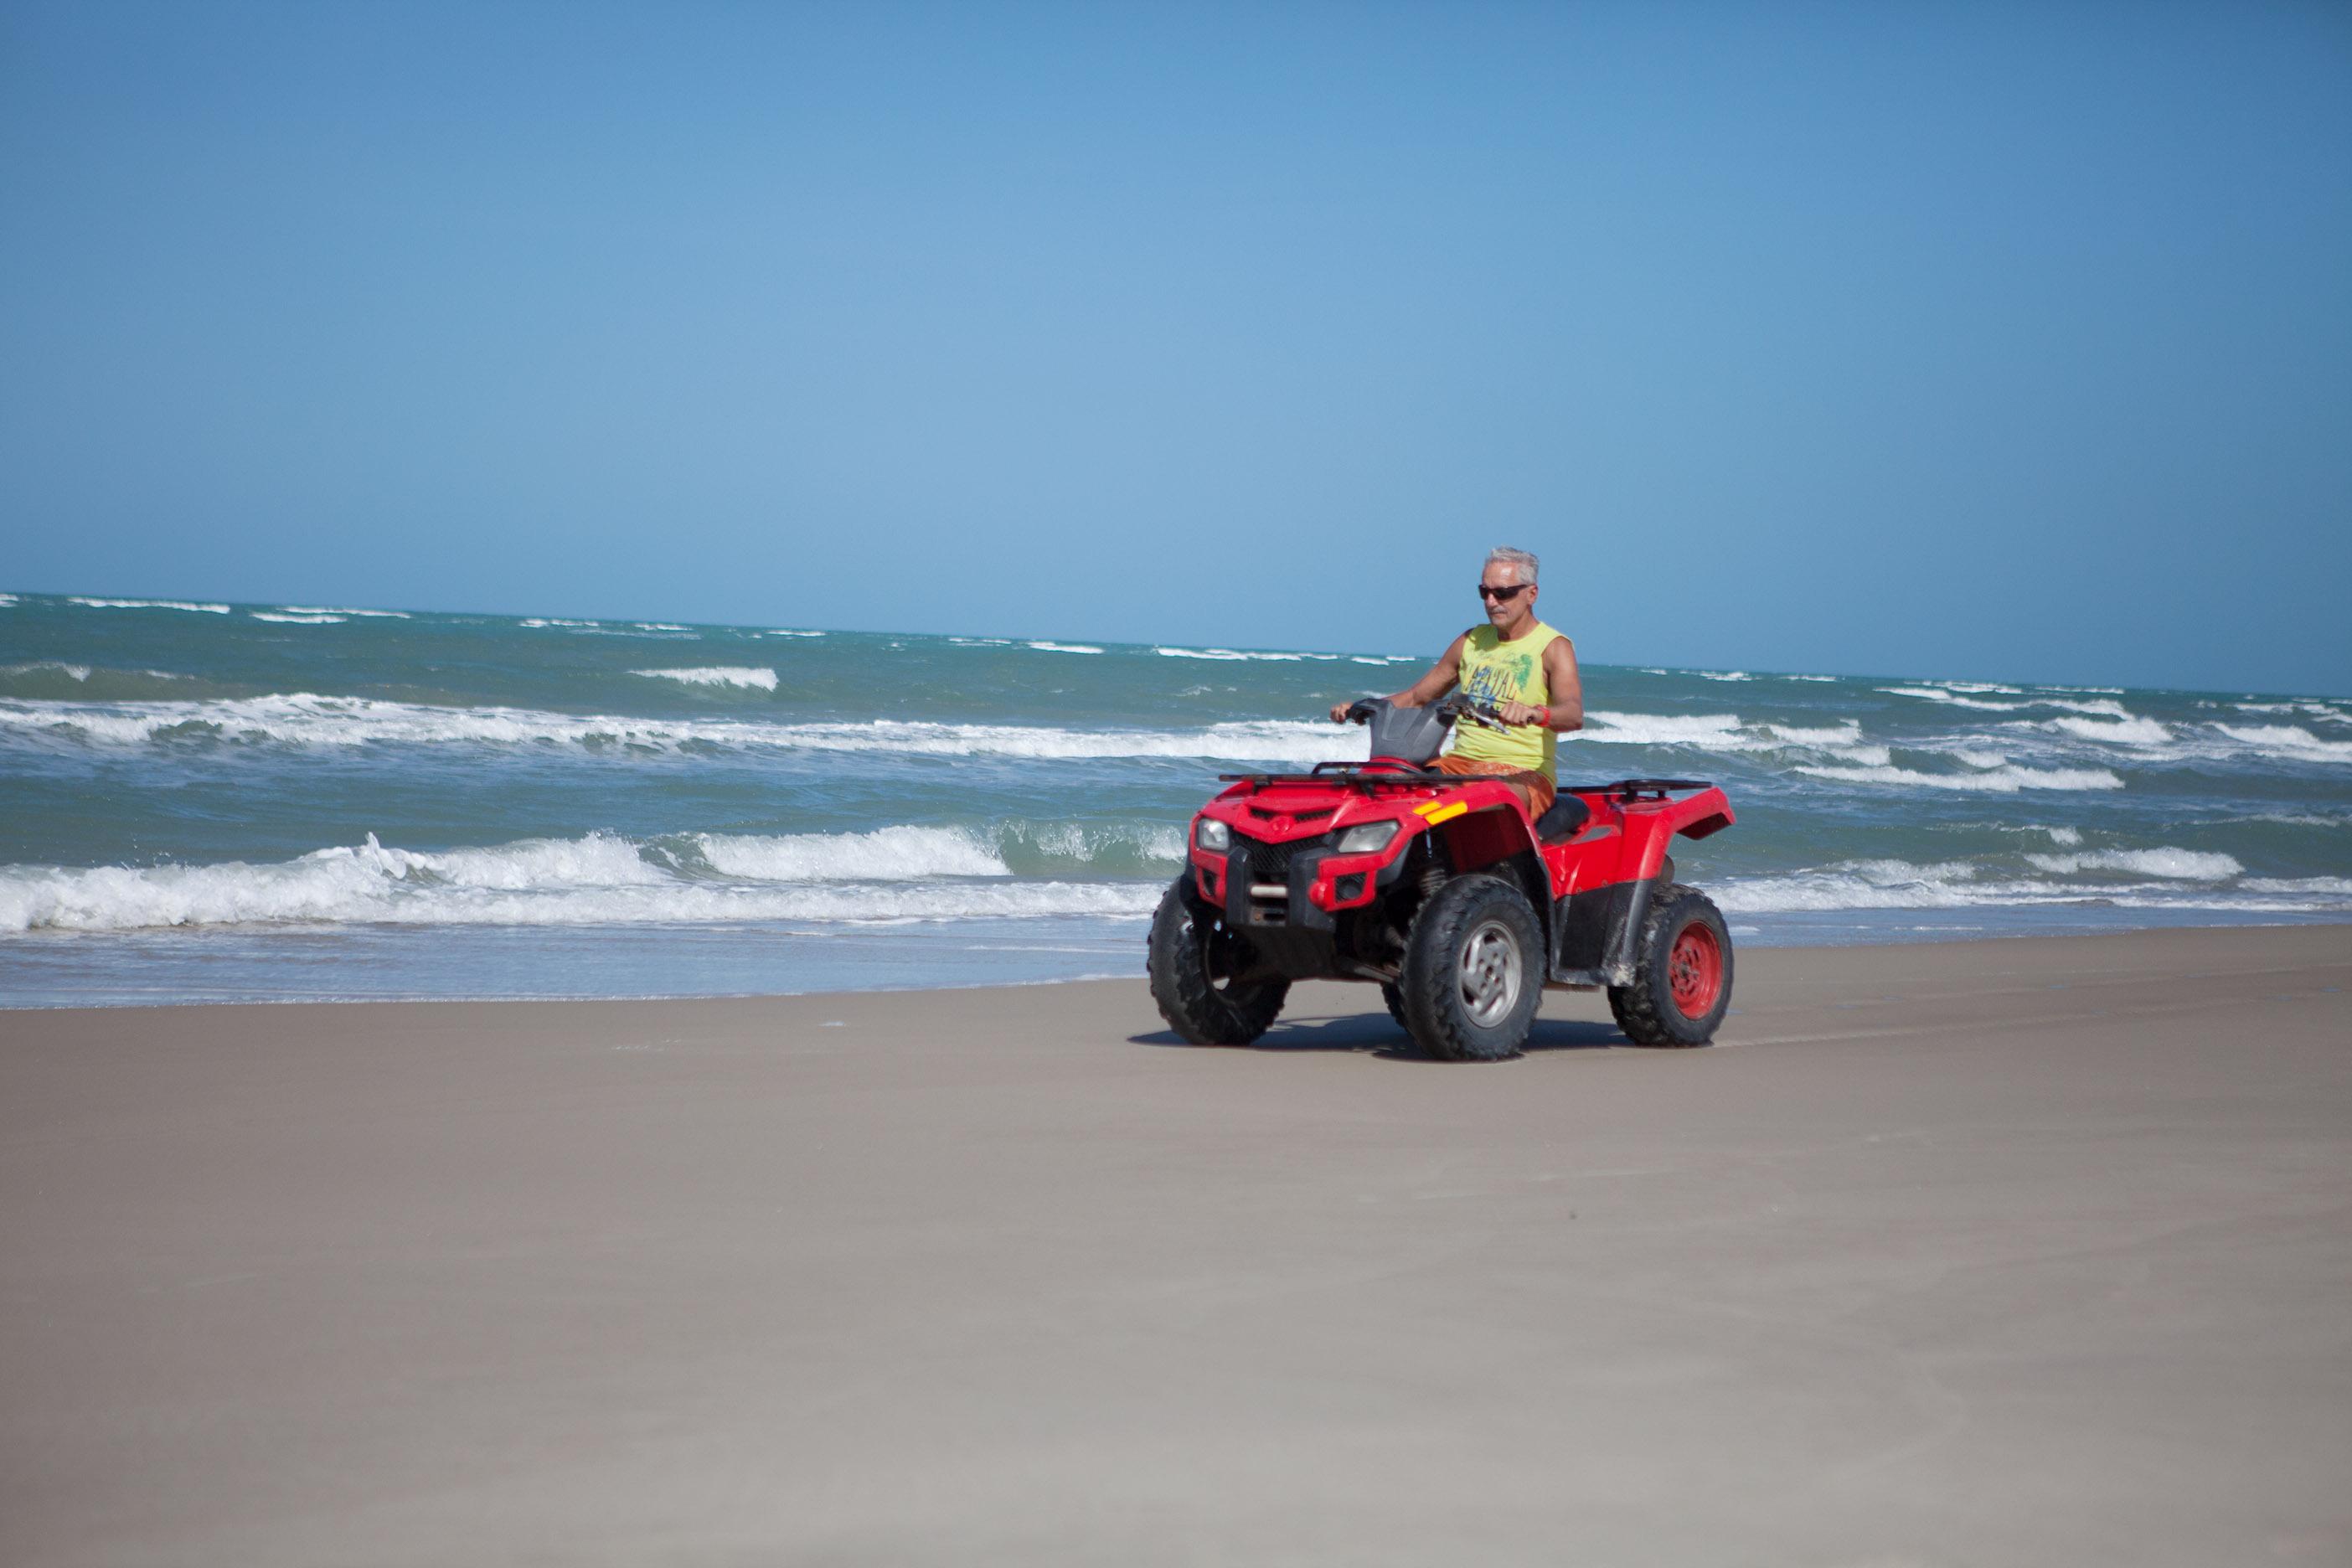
(1503, 596)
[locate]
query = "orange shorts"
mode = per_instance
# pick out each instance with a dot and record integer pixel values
(1535, 791)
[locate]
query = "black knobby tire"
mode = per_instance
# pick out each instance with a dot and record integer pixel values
(1193, 959)
(1474, 971)
(1394, 999)
(1682, 973)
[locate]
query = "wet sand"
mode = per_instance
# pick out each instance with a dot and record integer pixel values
(2006, 1252)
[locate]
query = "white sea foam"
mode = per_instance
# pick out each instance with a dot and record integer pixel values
(1998, 780)
(149, 604)
(1847, 734)
(551, 621)
(1706, 731)
(1230, 656)
(1723, 675)
(2340, 886)
(2124, 732)
(2066, 837)
(1065, 648)
(2290, 742)
(1825, 678)
(71, 671)
(1937, 694)
(2184, 865)
(1261, 741)
(7, 601)
(784, 634)
(299, 618)
(344, 610)
(1955, 698)
(2325, 713)
(1851, 885)
(716, 675)
(2182, 884)
(659, 627)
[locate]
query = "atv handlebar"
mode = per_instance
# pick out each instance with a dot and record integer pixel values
(1449, 708)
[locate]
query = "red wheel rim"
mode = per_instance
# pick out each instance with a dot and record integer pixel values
(1695, 969)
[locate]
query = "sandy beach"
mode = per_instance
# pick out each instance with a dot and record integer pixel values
(2005, 1252)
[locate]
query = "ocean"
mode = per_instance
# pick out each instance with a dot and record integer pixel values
(215, 802)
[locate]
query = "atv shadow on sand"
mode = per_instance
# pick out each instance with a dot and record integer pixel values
(1377, 1035)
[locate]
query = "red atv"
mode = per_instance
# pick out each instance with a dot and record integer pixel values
(1440, 888)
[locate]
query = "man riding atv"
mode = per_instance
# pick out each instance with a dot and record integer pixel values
(1464, 885)
(1516, 664)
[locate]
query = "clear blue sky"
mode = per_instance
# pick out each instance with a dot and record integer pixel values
(1962, 339)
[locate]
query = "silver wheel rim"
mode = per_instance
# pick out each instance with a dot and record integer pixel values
(1489, 980)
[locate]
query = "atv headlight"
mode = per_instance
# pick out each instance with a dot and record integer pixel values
(1367, 837)
(1210, 834)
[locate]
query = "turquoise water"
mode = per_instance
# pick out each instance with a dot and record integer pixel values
(215, 802)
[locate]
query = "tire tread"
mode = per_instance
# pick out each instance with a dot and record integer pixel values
(1646, 1009)
(1433, 1012)
(1181, 986)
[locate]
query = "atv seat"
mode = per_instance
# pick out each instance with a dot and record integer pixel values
(1563, 821)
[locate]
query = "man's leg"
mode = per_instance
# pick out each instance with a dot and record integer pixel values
(1536, 792)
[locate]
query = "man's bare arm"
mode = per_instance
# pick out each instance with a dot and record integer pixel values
(1440, 680)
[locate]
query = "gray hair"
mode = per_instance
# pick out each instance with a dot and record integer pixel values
(1522, 562)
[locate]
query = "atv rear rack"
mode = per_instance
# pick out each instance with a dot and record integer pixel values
(1627, 791)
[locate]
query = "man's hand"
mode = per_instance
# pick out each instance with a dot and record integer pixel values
(1339, 711)
(1525, 713)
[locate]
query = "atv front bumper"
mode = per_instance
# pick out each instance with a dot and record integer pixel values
(1300, 885)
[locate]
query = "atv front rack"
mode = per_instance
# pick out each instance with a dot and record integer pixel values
(1356, 777)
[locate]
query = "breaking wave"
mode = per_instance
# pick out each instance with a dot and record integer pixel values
(716, 675)
(2292, 742)
(893, 874)
(2000, 780)
(148, 605)
(307, 719)
(2127, 731)
(2184, 865)
(885, 854)
(1232, 656)
(2168, 878)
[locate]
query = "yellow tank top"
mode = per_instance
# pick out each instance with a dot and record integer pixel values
(1495, 671)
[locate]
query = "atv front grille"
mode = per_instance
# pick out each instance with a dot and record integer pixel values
(1269, 862)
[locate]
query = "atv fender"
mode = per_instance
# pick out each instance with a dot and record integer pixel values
(1497, 837)
(1648, 828)
(1596, 930)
